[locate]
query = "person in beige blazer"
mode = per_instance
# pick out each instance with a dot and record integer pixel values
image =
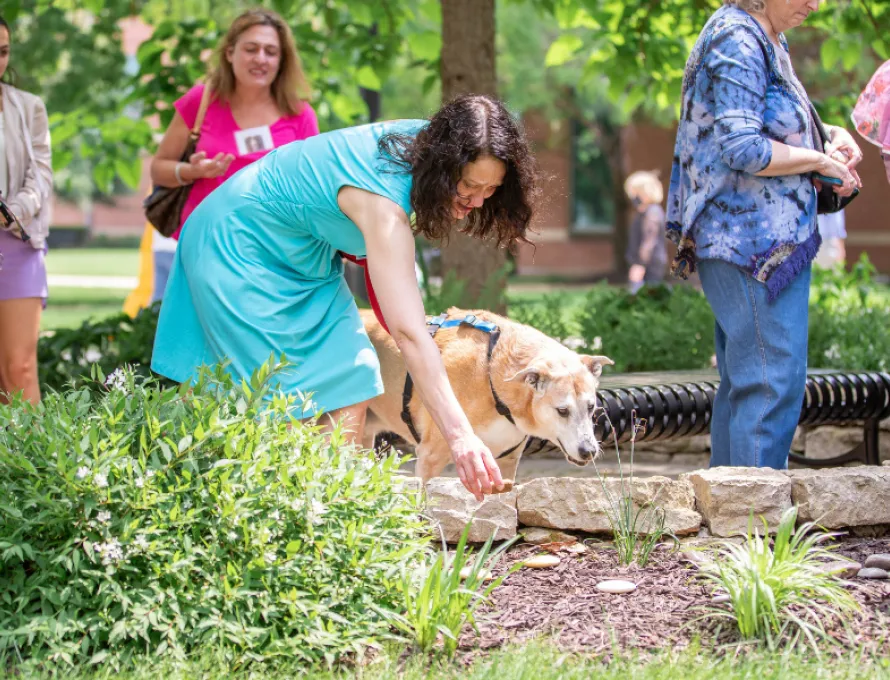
(26, 181)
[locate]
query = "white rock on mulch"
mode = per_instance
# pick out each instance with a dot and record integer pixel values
(541, 561)
(616, 587)
(842, 497)
(873, 573)
(726, 497)
(580, 504)
(880, 561)
(451, 506)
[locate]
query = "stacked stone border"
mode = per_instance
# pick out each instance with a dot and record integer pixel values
(720, 500)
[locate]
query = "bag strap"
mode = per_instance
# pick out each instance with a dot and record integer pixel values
(202, 110)
(820, 127)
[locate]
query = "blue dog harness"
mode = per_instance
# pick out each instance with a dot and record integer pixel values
(433, 326)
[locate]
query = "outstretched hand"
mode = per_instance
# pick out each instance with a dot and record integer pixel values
(203, 167)
(476, 467)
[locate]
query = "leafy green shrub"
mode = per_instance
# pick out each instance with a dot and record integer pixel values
(849, 318)
(780, 593)
(65, 356)
(140, 521)
(660, 328)
(550, 315)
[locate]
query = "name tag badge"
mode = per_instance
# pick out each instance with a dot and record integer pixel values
(254, 139)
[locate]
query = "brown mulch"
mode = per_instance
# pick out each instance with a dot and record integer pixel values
(562, 604)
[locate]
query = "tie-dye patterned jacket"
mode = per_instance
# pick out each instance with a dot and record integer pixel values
(735, 100)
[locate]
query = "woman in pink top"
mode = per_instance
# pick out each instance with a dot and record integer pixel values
(256, 104)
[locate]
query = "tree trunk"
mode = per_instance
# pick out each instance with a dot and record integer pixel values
(613, 146)
(468, 66)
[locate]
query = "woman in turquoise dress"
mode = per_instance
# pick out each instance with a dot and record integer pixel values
(259, 271)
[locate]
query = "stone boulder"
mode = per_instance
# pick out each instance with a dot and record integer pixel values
(580, 504)
(727, 497)
(842, 497)
(452, 507)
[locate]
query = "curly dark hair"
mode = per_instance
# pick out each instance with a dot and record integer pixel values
(465, 129)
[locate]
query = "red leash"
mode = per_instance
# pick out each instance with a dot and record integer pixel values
(372, 297)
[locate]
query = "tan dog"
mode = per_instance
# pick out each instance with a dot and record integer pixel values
(550, 392)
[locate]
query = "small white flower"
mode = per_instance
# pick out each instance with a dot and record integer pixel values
(316, 510)
(101, 481)
(833, 353)
(104, 516)
(141, 542)
(82, 472)
(233, 536)
(270, 556)
(186, 504)
(139, 482)
(117, 380)
(275, 515)
(111, 551)
(149, 474)
(297, 505)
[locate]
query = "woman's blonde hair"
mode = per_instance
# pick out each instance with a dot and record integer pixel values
(645, 185)
(290, 88)
(750, 6)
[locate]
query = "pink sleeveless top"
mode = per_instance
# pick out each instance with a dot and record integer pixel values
(221, 134)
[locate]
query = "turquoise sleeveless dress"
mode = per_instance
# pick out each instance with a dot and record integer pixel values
(257, 271)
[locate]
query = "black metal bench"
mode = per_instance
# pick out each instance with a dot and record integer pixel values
(669, 405)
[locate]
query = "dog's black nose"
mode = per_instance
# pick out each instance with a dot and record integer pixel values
(586, 451)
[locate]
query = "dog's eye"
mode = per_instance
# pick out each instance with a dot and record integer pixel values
(591, 408)
(563, 411)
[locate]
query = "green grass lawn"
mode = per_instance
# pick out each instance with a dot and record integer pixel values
(70, 307)
(93, 261)
(538, 661)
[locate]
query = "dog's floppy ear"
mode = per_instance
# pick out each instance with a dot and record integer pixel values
(535, 375)
(595, 363)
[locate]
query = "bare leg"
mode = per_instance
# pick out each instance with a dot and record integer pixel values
(353, 418)
(19, 327)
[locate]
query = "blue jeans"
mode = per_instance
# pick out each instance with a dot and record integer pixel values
(163, 262)
(762, 359)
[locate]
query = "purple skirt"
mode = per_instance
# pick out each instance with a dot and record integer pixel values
(22, 269)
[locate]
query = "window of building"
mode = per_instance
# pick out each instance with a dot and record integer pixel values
(593, 206)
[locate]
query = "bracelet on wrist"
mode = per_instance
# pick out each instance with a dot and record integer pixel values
(177, 171)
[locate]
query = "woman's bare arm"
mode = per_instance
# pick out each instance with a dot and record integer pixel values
(170, 150)
(390, 252)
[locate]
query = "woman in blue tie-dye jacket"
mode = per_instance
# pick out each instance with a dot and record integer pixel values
(742, 211)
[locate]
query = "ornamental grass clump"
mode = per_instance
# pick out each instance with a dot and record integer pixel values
(443, 594)
(637, 529)
(137, 522)
(780, 593)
